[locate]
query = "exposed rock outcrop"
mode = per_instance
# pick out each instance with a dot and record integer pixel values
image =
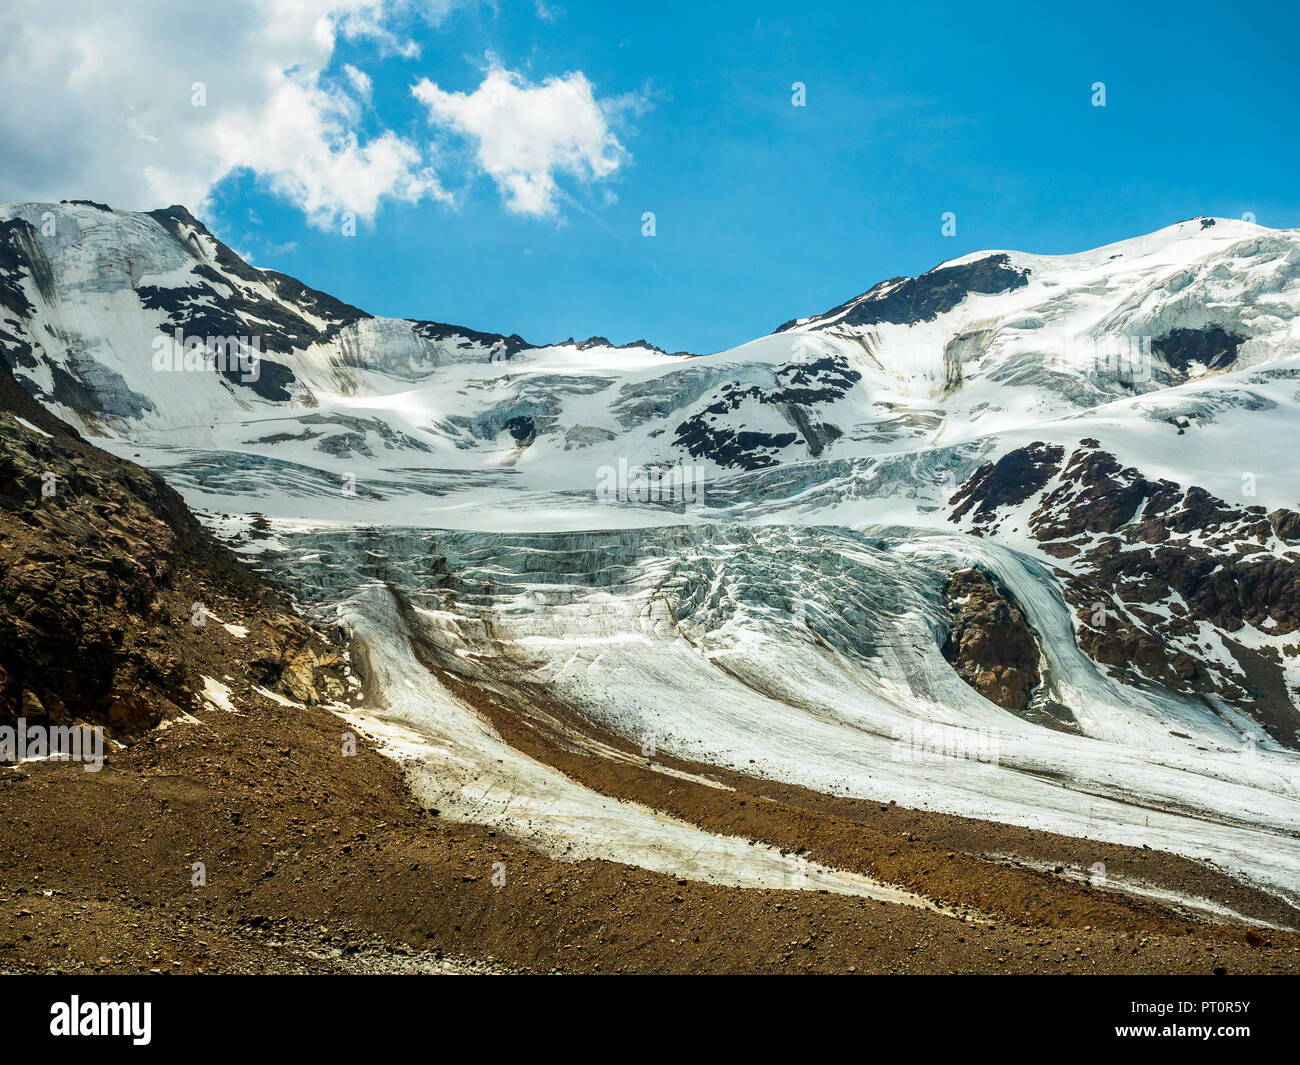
(903, 300)
(1156, 571)
(990, 644)
(1212, 348)
(1009, 481)
(800, 391)
(295, 664)
(114, 600)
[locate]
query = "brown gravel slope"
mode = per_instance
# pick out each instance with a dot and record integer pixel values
(315, 861)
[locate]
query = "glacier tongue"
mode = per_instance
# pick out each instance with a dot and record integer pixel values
(458, 765)
(807, 655)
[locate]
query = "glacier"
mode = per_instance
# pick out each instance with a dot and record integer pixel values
(425, 486)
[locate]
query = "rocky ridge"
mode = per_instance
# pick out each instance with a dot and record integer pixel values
(115, 601)
(1157, 575)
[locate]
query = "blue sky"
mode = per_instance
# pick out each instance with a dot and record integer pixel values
(766, 211)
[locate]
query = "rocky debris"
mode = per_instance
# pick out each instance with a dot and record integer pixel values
(990, 644)
(578, 436)
(344, 444)
(322, 863)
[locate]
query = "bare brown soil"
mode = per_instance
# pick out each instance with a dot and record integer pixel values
(320, 862)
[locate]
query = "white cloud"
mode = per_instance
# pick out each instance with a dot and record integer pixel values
(359, 80)
(526, 134)
(98, 102)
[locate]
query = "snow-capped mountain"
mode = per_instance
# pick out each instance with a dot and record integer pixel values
(937, 370)
(1045, 504)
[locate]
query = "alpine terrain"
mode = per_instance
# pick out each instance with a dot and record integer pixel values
(955, 628)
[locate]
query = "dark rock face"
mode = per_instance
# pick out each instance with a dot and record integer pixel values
(101, 565)
(1286, 525)
(738, 448)
(176, 219)
(1213, 347)
(86, 576)
(17, 239)
(514, 343)
(821, 380)
(288, 328)
(1011, 480)
(1096, 496)
(800, 388)
(1150, 563)
(522, 429)
(990, 644)
(903, 300)
(227, 302)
